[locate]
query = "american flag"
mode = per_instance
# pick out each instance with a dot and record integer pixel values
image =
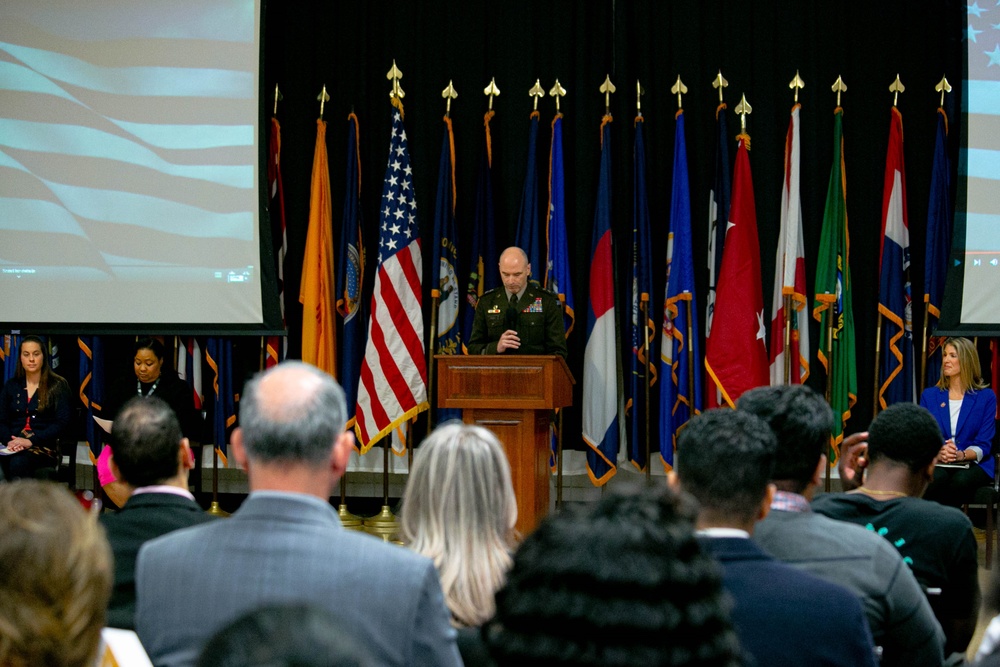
(393, 385)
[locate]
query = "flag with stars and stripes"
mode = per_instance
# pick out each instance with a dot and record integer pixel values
(393, 386)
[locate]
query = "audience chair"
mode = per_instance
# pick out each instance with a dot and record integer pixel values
(988, 496)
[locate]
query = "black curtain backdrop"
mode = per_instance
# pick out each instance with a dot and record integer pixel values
(758, 46)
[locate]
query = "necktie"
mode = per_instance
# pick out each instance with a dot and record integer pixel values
(512, 313)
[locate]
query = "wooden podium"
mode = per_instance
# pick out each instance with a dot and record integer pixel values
(513, 396)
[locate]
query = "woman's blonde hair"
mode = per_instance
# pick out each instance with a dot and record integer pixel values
(970, 373)
(459, 510)
(56, 577)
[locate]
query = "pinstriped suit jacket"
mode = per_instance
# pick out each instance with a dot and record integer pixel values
(281, 547)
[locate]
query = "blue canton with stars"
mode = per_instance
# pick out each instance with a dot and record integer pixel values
(398, 219)
(983, 31)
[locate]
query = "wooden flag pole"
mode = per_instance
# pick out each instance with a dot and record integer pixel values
(923, 346)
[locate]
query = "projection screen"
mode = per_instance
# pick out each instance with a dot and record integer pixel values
(131, 192)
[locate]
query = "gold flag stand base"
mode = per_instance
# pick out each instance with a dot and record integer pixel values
(349, 520)
(384, 525)
(215, 510)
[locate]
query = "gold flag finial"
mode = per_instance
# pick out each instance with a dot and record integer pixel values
(491, 91)
(743, 109)
(536, 92)
(279, 96)
(679, 89)
(394, 75)
(323, 99)
(896, 87)
(557, 91)
(797, 84)
(839, 87)
(449, 94)
(607, 88)
(639, 92)
(942, 87)
(719, 83)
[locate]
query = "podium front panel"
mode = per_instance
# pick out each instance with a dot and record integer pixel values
(481, 385)
(525, 438)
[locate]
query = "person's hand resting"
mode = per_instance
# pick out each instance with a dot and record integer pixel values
(508, 341)
(18, 444)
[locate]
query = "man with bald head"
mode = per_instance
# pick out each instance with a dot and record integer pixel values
(518, 318)
(286, 545)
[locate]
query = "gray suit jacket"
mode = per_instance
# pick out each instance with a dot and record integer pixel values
(289, 548)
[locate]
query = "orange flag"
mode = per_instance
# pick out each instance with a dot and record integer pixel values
(319, 330)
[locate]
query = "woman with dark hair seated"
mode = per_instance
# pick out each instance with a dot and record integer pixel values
(34, 413)
(153, 376)
(965, 410)
(622, 582)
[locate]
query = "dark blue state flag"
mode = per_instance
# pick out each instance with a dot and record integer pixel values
(680, 354)
(642, 329)
(939, 222)
(528, 232)
(444, 266)
(557, 273)
(718, 210)
(219, 356)
(350, 276)
(482, 268)
(92, 390)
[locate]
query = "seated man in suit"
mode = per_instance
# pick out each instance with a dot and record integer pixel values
(900, 618)
(286, 544)
(518, 318)
(936, 541)
(783, 616)
(153, 458)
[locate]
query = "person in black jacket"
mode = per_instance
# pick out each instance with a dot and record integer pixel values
(153, 377)
(153, 458)
(34, 413)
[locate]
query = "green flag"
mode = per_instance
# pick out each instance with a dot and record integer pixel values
(833, 295)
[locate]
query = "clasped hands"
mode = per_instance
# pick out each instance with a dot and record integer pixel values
(18, 444)
(949, 453)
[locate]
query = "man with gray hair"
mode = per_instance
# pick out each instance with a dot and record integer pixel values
(286, 545)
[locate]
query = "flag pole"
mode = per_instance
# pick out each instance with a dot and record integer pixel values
(215, 509)
(923, 346)
(644, 312)
(878, 350)
(690, 346)
(829, 383)
(788, 338)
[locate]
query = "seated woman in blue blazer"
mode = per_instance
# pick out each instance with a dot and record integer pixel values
(966, 411)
